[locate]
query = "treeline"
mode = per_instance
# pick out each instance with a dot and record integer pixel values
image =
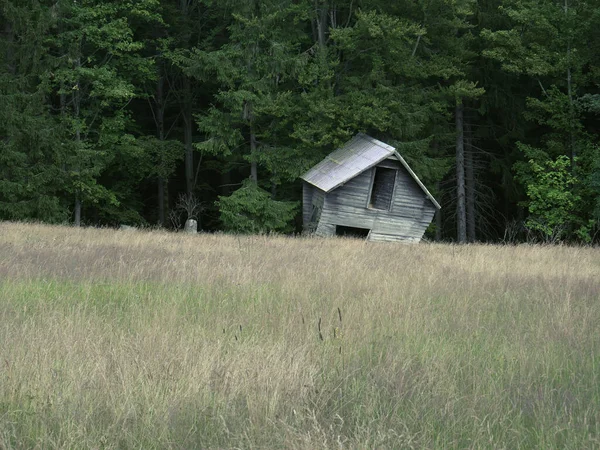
(150, 111)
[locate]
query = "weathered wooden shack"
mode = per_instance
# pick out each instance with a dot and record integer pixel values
(366, 189)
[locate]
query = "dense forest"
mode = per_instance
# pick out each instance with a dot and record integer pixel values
(146, 112)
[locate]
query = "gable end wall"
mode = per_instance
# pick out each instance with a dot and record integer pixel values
(410, 215)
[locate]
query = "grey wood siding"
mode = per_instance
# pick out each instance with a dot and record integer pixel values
(312, 207)
(347, 205)
(307, 193)
(380, 237)
(325, 229)
(410, 214)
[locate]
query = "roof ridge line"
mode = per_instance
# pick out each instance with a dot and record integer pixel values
(376, 141)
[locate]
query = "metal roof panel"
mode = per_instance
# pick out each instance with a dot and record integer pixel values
(356, 156)
(359, 154)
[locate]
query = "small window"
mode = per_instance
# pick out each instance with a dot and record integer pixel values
(383, 188)
(352, 232)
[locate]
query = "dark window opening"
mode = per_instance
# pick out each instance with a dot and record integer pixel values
(383, 188)
(351, 231)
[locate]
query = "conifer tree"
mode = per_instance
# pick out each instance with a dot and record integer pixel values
(30, 176)
(95, 62)
(548, 42)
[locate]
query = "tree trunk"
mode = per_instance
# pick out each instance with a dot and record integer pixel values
(438, 222)
(322, 28)
(10, 62)
(225, 187)
(572, 142)
(161, 201)
(184, 7)
(321, 11)
(188, 122)
(77, 111)
(470, 184)
(77, 221)
(160, 124)
(461, 222)
(253, 164)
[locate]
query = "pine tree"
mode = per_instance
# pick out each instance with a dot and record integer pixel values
(95, 61)
(30, 177)
(548, 42)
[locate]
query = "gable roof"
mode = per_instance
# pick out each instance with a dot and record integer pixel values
(359, 154)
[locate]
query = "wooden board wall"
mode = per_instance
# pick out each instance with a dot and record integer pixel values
(410, 214)
(307, 192)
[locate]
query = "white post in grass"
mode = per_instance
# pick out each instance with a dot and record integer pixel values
(191, 226)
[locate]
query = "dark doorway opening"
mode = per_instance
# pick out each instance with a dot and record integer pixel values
(383, 188)
(360, 233)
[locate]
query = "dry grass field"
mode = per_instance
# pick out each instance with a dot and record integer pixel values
(115, 339)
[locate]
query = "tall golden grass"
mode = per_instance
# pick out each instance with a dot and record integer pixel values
(114, 339)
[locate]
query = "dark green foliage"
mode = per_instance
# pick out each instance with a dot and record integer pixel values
(30, 176)
(594, 183)
(112, 109)
(251, 209)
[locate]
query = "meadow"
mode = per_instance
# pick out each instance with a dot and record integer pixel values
(119, 339)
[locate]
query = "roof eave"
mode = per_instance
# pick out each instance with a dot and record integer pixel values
(391, 150)
(341, 183)
(311, 183)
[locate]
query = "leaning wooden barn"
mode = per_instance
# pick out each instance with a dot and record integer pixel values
(366, 189)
